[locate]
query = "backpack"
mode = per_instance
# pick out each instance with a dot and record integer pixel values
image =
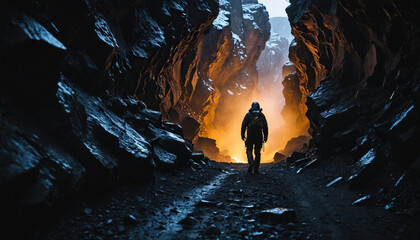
(256, 120)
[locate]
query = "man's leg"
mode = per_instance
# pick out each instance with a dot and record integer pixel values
(257, 151)
(249, 147)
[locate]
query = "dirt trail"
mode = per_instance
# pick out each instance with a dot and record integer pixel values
(222, 201)
(230, 211)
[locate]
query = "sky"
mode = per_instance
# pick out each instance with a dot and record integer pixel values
(275, 8)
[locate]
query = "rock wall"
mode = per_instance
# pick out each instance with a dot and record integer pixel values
(226, 69)
(76, 79)
(281, 25)
(358, 73)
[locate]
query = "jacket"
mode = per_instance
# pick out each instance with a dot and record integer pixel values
(258, 134)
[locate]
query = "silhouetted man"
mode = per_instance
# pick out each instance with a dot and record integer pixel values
(255, 126)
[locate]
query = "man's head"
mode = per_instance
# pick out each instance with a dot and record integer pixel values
(255, 105)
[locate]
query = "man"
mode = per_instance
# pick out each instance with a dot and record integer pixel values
(255, 126)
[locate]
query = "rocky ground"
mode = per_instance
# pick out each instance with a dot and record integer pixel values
(222, 201)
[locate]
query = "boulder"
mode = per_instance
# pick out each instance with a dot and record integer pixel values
(30, 59)
(190, 127)
(295, 144)
(170, 142)
(208, 147)
(164, 160)
(279, 157)
(173, 128)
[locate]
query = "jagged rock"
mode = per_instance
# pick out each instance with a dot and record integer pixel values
(30, 60)
(164, 160)
(358, 88)
(170, 142)
(190, 127)
(197, 157)
(288, 68)
(208, 147)
(173, 128)
(278, 215)
(295, 144)
(366, 168)
(279, 157)
(105, 131)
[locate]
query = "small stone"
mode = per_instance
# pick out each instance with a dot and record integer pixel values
(363, 200)
(249, 206)
(390, 206)
(130, 220)
(213, 230)
(278, 215)
(243, 231)
(334, 181)
(87, 211)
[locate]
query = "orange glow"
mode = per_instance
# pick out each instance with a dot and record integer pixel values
(226, 127)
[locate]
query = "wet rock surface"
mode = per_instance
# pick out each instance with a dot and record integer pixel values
(357, 84)
(224, 201)
(80, 85)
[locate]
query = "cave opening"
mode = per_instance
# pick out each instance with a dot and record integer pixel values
(244, 58)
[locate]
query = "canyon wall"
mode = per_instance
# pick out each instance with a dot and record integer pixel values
(226, 77)
(358, 73)
(270, 78)
(80, 81)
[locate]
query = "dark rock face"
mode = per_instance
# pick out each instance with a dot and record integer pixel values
(76, 79)
(357, 72)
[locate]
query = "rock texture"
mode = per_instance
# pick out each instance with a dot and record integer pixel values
(76, 79)
(281, 26)
(225, 70)
(358, 72)
(271, 61)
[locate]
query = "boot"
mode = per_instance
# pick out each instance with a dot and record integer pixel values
(256, 169)
(250, 168)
